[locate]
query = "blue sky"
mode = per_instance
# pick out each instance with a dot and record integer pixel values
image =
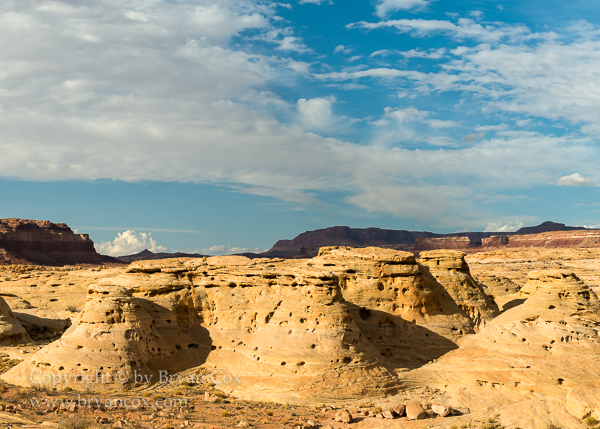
(221, 126)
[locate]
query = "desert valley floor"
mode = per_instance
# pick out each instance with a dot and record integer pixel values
(360, 338)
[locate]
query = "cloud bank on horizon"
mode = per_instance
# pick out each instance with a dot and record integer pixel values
(409, 108)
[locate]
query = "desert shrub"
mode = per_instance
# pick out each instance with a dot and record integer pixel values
(269, 413)
(72, 308)
(591, 421)
(225, 413)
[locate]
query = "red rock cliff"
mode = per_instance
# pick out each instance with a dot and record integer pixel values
(25, 241)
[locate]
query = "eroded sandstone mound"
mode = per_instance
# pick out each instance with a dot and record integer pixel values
(451, 270)
(549, 345)
(407, 315)
(118, 335)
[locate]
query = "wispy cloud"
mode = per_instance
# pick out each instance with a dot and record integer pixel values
(385, 7)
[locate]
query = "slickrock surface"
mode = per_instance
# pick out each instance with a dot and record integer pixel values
(451, 270)
(11, 330)
(547, 346)
(25, 241)
(117, 333)
(49, 291)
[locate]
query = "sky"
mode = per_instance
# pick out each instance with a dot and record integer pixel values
(220, 126)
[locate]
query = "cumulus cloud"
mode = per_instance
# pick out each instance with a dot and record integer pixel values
(129, 242)
(385, 7)
(316, 113)
(574, 179)
(502, 226)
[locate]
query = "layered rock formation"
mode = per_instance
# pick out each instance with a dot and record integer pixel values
(451, 270)
(444, 243)
(578, 238)
(42, 242)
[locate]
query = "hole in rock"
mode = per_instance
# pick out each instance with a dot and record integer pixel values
(282, 363)
(193, 346)
(313, 346)
(560, 381)
(347, 360)
(379, 286)
(364, 313)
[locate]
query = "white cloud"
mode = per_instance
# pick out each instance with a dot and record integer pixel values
(385, 7)
(316, 1)
(343, 49)
(316, 113)
(574, 179)
(129, 242)
(292, 43)
(502, 226)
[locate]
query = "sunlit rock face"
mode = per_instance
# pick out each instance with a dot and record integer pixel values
(118, 336)
(11, 330)
(451, 270)
(549, 344)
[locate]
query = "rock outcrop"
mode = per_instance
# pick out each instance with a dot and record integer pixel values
(11, 330)
(336, 327)
(405, 313)
(42, 242)
(119, 336)
(286, 330)
(549, 344)
(451, 270)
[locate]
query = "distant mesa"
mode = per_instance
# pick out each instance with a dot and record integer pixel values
(32, 242)
(547, 234)
(147, 255)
